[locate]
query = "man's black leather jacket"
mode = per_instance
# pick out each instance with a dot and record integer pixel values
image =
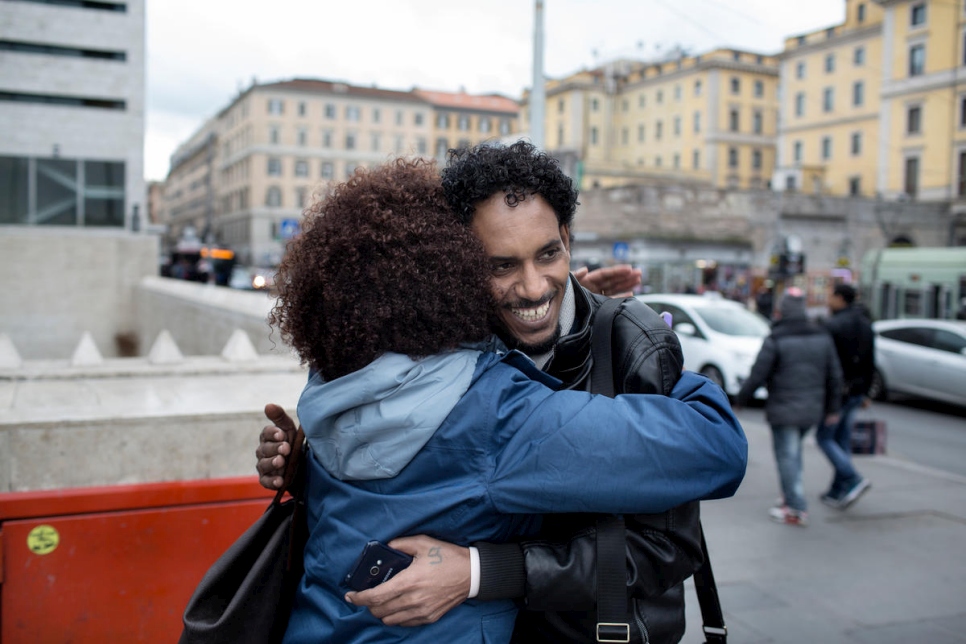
(555, 574)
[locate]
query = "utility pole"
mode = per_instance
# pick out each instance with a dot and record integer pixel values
(538, 97)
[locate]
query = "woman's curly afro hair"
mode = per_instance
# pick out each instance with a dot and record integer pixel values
(381, 265)
(519, 170)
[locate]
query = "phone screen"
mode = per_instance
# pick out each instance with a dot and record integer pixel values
(377, 563)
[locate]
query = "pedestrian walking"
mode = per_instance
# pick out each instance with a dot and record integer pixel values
(851, 330)
(799, 366)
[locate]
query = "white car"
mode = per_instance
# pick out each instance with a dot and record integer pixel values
(921, 357)
(720, 338)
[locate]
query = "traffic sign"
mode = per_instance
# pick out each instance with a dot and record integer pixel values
(289, 228)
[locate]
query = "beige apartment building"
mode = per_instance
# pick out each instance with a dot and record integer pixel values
(245, 177)
(876, 106)
(710, 117)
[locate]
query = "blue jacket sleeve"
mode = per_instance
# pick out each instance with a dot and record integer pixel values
(549, 454)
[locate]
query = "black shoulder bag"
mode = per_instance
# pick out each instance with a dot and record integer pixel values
(248, 593)
(612, 620)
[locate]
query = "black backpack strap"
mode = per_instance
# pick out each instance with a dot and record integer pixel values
(612, 618)
(715, 631)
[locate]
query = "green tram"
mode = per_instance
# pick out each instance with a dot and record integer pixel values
(914, 283)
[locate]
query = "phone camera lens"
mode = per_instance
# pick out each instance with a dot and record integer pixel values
(374, 571)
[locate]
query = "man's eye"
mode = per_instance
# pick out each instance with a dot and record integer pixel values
(551, 254)
(502, 268)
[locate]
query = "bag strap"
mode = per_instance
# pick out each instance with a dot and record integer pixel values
(602, 382)
(293, 483)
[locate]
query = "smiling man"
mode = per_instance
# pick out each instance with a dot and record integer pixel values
(521, 206)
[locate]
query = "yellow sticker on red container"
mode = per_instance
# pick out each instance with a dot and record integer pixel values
(43, 539)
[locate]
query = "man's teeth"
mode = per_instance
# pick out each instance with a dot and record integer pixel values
(530, 315)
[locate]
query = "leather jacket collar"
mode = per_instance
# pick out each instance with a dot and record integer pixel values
(571, 360)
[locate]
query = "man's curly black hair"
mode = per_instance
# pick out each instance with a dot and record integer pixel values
(381, 265)
(519, 171)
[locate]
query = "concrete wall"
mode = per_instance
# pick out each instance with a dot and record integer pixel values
(60, 282)
(202, 317)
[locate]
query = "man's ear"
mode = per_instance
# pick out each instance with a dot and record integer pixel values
(565, 236)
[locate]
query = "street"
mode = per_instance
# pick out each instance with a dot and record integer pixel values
(919, 431)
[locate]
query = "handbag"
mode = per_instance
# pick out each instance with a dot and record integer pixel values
(248, 593)
(612, 622)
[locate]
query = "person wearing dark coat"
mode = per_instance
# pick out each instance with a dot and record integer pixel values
(851, 330)
(799, 366)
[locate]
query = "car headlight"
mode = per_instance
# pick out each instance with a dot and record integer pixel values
(258, 281)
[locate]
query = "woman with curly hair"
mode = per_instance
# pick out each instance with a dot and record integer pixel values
(419, 422)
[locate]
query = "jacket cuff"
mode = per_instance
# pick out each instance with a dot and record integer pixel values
(502, 572)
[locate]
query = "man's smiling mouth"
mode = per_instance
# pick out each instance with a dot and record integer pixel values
(532, 314)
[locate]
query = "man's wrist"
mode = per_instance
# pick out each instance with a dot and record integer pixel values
(502, 571)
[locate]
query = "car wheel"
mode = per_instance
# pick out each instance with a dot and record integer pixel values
(713, 374)
(878, 391)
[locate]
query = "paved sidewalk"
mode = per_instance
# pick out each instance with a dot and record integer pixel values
(891, 569)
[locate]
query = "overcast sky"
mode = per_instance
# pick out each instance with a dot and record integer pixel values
(201, 52)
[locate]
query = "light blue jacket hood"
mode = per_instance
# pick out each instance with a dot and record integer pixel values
(370, 424)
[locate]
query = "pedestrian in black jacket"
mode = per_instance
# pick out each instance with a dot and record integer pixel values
(854, 340)
(799, 366)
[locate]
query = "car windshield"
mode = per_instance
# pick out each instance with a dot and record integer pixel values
(734, 320)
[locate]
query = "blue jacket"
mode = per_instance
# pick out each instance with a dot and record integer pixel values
(472, 446)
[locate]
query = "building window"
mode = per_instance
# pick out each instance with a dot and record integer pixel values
(858, 93)
(400, 143)
(275, 106)
(733, 120)
(463, 124)
(350, 141)
(735, 85)
(855, 186)
(560, 136)
(302, 108)
(797, 152)
(593, 135)
(858, 56)
(677, 126)
(826, 148)
(658, 130)
(303, 136)
(732, 157)
(421, 146)
(800, 104)
(624, 136)
(442, 121)
(658, 161)
(442, 145)
(329, 111)
(828, 99)
(756, 159)
(641, 100)
(697, 88)
(274, 167)
(349, 169)
(301, 196)
(640, 133)
(914, 120)
(273, 197)
(560, 106)
(504, 127)
(696, 160)
(375, 141)
(830, 63)
(757, 122)
(697, 122)
(326, 138)
(594, 105)
(962, 111)
(301, 168)
(917, 60)
(485, 125)
(273, 134)
(677, 92)
(800, 69)
(418, 118)
(759, 89)
(912, 176)
(399, 117)
(376, 115)
(328, 171)
(917, 14)
(856, 143)
(961, 175)
(860, 13)
(677, 161)
(352, 113)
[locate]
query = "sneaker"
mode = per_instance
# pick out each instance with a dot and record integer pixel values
(831, 500)
(785, 514)
(855, 492)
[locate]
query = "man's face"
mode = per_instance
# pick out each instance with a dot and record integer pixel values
(836, 302)
(529, 257)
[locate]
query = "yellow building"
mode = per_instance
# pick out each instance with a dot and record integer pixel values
(876, 106)
(245, 177)
(710, 117)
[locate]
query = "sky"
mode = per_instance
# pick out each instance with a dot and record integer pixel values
(201, 53)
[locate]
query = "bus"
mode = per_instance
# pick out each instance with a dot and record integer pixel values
(914, 283)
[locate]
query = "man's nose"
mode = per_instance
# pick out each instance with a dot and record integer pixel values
(531, 286)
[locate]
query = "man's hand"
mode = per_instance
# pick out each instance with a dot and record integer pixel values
(436, 581)
(612, 281)
(274, 445)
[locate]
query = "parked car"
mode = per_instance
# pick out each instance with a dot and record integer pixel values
(720, 338)
(921, 357)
